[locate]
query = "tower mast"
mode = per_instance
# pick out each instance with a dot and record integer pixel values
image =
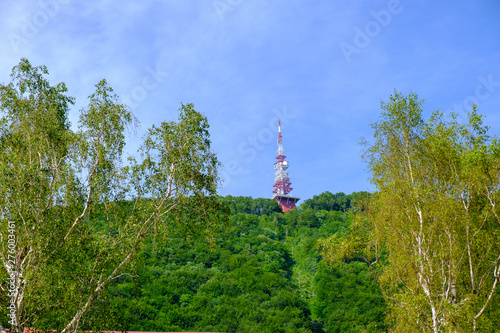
(282, 181)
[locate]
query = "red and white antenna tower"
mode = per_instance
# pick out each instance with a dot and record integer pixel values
(282, 181)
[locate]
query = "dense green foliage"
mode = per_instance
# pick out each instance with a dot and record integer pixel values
(338, 201)
(349, 298)
(264, 274)
(242, 285)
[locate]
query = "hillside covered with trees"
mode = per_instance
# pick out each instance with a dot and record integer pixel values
(263, 274)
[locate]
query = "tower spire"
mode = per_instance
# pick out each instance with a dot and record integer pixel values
(282, 180)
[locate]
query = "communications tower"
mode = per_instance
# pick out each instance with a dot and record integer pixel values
(282, 181)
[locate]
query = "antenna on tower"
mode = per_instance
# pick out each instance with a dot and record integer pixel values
(282, 181)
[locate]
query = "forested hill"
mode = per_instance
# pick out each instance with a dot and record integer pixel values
(263, 274)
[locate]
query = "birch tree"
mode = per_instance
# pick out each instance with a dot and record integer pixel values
(436, 211)
(77, 214)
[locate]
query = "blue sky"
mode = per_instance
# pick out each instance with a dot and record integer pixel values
(322, 67)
